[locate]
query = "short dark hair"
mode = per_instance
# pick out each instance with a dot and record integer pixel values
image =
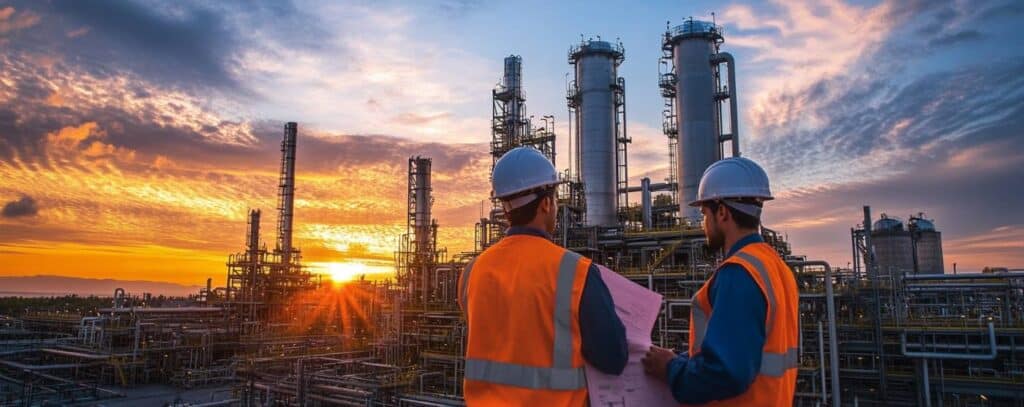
(742, 220)
(525, 214)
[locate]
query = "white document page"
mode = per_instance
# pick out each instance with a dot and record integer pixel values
(638, 309)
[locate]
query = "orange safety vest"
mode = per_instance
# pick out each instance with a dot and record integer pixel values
(521, 298)
(775, 383)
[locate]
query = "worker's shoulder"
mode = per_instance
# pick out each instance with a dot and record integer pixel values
(760, 250)
(530, 246)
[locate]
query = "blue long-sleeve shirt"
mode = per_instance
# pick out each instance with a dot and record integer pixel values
(603, 337)
(730, 355)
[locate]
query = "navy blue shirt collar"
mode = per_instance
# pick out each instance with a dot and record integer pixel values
(748, 239)
(526, 230)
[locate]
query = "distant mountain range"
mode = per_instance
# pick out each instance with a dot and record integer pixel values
(38, 286)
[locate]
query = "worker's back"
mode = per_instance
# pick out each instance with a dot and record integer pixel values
(776, 380)
(521, 298)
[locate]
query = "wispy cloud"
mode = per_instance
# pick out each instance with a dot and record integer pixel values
(374, 75)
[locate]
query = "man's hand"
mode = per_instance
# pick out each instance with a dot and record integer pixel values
(656, 361)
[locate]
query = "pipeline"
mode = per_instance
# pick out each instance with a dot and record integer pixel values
(717, 59)
(990, 355)
(833, 346)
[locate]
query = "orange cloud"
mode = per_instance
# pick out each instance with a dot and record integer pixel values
(11, 21)
(55, 100)
(101, 195)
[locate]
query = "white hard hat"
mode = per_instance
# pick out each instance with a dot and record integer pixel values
(520, 170)
(734, 178)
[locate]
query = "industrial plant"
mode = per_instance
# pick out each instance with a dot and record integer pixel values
(892, 328)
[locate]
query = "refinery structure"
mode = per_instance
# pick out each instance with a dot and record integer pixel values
(893, 328)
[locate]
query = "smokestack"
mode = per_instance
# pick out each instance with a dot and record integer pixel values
(253, 237)
(286, 193)
(419, 169)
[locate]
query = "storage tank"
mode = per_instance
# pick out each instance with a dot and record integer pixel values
(693, 44)
(894, 250)
(596, 68)
(928, 245)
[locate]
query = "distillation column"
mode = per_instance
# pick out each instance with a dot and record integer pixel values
(512, 81)
(252, 244)
(252, 267)
(508, 106)
(698, 102)
(422, 228)
(286, 193)
(419, 170)
(595, 97)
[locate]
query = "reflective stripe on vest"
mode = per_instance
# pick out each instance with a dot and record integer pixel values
(561, 376)
(772, 364)
(700, 322)
(759, 266)
(531, 377)
(776, 364)
(465, 283)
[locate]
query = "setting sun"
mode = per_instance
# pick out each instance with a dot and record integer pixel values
(344, 271)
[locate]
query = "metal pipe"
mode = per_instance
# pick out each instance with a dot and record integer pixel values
(645, 202)
(22, 366)
(620, 142)
(924, 382)
(963, 276)
(833, 345)
(872, 269)
(725, 57)
(227, 402)
(821, 357)
(990, 355)
(655, 187)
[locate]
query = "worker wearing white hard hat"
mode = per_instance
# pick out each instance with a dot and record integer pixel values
(535, 312)
(523, 175)
(745, 353)
(739, 184)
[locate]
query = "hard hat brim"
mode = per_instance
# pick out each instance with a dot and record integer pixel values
(699, 202)
(528, 189)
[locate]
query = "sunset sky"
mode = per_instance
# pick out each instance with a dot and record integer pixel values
(135, 135)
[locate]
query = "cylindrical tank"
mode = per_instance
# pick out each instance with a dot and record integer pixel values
(894, 250)
(693, 43)
(596, 73)
(928, 244)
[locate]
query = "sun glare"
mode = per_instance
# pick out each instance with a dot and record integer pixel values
(345, 271)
